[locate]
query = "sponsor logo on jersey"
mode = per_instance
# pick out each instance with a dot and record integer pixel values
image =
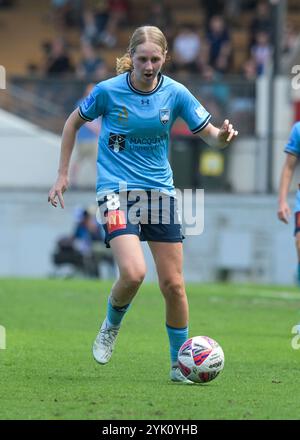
(115, 220)
(116, 142)
(145, 101)
(164, 115)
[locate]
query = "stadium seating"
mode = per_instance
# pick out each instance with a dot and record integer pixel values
(28, 24)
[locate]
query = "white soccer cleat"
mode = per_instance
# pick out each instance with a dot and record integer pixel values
(177, 376)
(104, 343)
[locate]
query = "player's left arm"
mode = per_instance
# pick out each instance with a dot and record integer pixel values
(219, 137)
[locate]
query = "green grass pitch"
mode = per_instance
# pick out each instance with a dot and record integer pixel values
(47, 370)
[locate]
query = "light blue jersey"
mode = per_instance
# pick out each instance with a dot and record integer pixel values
(293, 147)
(135, 132)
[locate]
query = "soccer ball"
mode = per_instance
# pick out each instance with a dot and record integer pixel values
(201, 359)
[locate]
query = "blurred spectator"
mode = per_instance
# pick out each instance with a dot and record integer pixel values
(249, 71)
(99, 25)
(261, 21)
(219, 46)
(58, 61)
(186, 50)
(86, 150)
(66, 13)
(89, 29)
(261, 51)
(84, 249)
(89, 238)
(59, 10)
(290, 48)
(6, 3)
(290, 39)
(118, 12)
(218, 89)
(86, 231)
(161, 17)
(90, 67)
(212, 8)
(215, 93)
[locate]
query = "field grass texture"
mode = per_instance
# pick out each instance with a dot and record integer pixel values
(47, 370)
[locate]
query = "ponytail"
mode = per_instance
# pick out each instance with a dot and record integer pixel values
(124, 64)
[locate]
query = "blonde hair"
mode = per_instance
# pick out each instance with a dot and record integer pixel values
(140, 36)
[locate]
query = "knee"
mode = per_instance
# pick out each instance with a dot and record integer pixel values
(132, 277)
(172, 287)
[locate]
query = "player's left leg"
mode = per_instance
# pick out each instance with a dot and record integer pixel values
(168, 259)
(297, 234)
(297, 242)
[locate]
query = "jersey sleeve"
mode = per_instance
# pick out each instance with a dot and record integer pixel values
(191, 111)
(293, 144)
(94, 104)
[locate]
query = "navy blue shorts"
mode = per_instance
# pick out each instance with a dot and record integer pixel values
(151, 215)
(297, 222)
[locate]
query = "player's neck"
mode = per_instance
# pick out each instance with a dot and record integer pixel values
(141, 85)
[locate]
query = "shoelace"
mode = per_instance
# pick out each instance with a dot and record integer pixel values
(107, 336)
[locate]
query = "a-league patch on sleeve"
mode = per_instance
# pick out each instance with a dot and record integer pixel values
(88, 102)
(201, 112)
(115, 220)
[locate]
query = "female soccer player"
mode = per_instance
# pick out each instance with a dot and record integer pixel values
(138, 108)
(292, 149)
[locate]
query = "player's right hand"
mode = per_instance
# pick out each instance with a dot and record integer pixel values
(57, 190)
(284, 212)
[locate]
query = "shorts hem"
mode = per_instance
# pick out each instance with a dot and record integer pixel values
(159, 240)
(118, 235)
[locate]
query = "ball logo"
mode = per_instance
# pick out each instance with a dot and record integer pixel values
(200, 359)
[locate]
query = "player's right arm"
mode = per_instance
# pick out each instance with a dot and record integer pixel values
(284, 211)
(72, 124)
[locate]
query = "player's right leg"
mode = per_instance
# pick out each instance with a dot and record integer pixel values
(129, 257)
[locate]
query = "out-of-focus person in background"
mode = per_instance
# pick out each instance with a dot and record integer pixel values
(84, 249)
(58, 60)
(261, 52)
(219, 45)
(90, 67)
(261, 21)
(186, 50)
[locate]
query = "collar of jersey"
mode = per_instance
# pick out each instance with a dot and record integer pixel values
(140, 92)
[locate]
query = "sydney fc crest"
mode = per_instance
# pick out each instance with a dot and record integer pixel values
(164, 116)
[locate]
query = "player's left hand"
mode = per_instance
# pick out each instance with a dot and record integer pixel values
(227, 133)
